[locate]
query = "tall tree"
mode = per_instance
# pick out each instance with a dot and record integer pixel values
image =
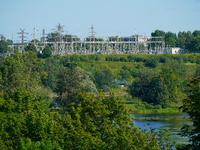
(46, 52)
(52, 67)
(158, 33)
(26, 123)
(191, 105)
(188, 41)
(172, 82)
(103, 77)
(149, 87)
(170, 39)
(72, 80)
(196, 33)
(195, 44)
(31, 47)
(3, 44)
(21, 70)
(181, 39)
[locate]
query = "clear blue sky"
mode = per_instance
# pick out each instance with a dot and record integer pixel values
(109, 17)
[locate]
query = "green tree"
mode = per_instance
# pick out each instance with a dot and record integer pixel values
(109, 125)
(151, 63)
(196, 33)
(3, 44)
(188, 41)
(74, 58)
(125, 75)
(195, 44)
(10, 42)
(31, 47)
(47, 52)
(198, 59)
(21, 70)
(181, 39)
(70, 81)
(170, 39)
(52, 37)
(158, 33)
(105, 123)
(149, 87)
(52, 67)
(172, 82)
(103, 77)
(191, 105)
(24, 116)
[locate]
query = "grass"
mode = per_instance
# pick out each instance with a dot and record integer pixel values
(121, 91)
(142, 110)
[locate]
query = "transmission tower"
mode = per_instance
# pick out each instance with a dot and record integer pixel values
(59, 30)
(22, 37)
(92, 31)
(43, 37)
(34, 33)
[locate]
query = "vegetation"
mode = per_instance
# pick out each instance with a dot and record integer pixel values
(70, 114)
(26, 123)
(191, 105)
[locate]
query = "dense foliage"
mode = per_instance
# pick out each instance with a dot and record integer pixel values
(191, 105)
(85, 121)
(26, 123)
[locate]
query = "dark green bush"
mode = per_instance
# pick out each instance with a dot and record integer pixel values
(198, 59)
(151, 63)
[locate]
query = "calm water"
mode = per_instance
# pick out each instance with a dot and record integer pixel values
(173, 122)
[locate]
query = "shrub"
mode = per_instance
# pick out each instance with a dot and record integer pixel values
(139, 59)
(151, 63)
(198, 60)
(191, 59)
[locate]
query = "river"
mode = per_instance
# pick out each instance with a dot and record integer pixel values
(173, 122)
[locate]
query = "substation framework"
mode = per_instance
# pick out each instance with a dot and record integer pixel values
(99, 45)
(81, 45)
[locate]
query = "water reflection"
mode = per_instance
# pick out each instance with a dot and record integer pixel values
(173, 122)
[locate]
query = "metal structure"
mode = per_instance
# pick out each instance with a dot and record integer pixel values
(81, 45)
(22, 39)
(61, 45)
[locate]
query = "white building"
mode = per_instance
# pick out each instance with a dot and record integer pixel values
(176, 50)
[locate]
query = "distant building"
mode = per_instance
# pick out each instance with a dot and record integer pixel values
(176, 50)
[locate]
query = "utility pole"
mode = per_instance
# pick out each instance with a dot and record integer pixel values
(23, 37)
(43, 33)
(34, 30)
(92, 32)
(60, 31)
(92, 38)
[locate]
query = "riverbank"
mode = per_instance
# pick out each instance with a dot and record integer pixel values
(153, 111)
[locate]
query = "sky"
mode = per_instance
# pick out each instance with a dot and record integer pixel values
(108, 17)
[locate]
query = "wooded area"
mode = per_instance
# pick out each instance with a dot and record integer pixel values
(58, 102)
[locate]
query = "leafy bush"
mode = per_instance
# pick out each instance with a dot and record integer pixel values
(74, 58)
(151, 63)
(139, 59)
(131, 58)
(122, 59)
(163, 59)
(198, 59)
(84, 58)
(94, 57)
(148, 106)
(191, 59)
(158, 107)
